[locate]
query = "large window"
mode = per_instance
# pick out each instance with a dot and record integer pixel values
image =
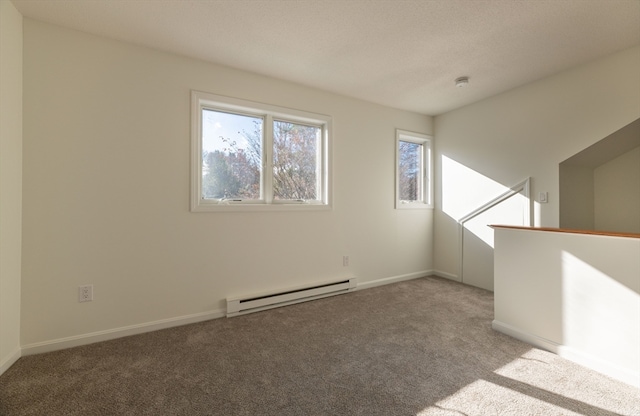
(251, 156)
(413, 170)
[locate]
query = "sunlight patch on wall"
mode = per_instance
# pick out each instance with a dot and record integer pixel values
(511, 211)
(537, 216)
(464, 189)
(596, 310)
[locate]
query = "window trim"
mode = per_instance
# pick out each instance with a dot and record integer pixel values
(427, 170)
(269, 113)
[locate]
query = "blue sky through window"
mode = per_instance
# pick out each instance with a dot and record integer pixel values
(230, 126)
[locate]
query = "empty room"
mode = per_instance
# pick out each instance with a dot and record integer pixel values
(316, 207)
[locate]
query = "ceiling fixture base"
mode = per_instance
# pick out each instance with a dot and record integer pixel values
(462, 82)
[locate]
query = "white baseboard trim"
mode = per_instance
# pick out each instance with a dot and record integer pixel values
(109, 334)
(446, 275)
(625, 375)
(579, 357)
(10, 359)
(393, 279)
(534, 340)
(90, 338)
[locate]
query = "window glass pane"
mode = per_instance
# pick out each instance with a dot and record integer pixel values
(231, 155)
(296, 161)
(410, 171)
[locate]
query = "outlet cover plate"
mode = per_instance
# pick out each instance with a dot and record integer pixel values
(85, 293)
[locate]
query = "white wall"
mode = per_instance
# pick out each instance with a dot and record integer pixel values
(576, 193)
(617, 194)
(106, 194)
(527, 132)
(10, 182)
(574, 294)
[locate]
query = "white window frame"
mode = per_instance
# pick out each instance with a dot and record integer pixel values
(269, 113)
(427, 170)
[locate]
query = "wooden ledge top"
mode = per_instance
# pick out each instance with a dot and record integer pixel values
(570, 231)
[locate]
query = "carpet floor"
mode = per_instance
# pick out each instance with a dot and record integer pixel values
(419, 347)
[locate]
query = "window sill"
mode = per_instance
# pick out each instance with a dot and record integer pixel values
(214, 207)
(413, 206)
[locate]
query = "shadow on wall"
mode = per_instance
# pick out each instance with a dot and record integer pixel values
(475, 201)
(577, 295)
(600, 186)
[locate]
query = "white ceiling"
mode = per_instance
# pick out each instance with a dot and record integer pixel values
(403, 53)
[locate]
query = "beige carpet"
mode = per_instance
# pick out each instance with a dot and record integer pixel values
(421, 347)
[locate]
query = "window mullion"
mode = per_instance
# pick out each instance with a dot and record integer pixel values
(267, 170)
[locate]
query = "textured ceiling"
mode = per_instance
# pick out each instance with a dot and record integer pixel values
(403, 53)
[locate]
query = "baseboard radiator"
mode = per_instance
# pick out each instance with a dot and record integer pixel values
(253, 303)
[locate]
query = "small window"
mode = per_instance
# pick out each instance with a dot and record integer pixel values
(251, 156)
(413, 170)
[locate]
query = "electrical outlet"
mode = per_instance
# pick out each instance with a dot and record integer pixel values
(85, 293)
(345, 261)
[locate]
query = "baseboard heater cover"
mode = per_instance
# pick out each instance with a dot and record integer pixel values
(253, 303)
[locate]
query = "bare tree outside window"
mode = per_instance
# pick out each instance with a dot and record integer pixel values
(232, 169)
(295, 154)
(249, 156)
(413, 170)
(410, 171)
